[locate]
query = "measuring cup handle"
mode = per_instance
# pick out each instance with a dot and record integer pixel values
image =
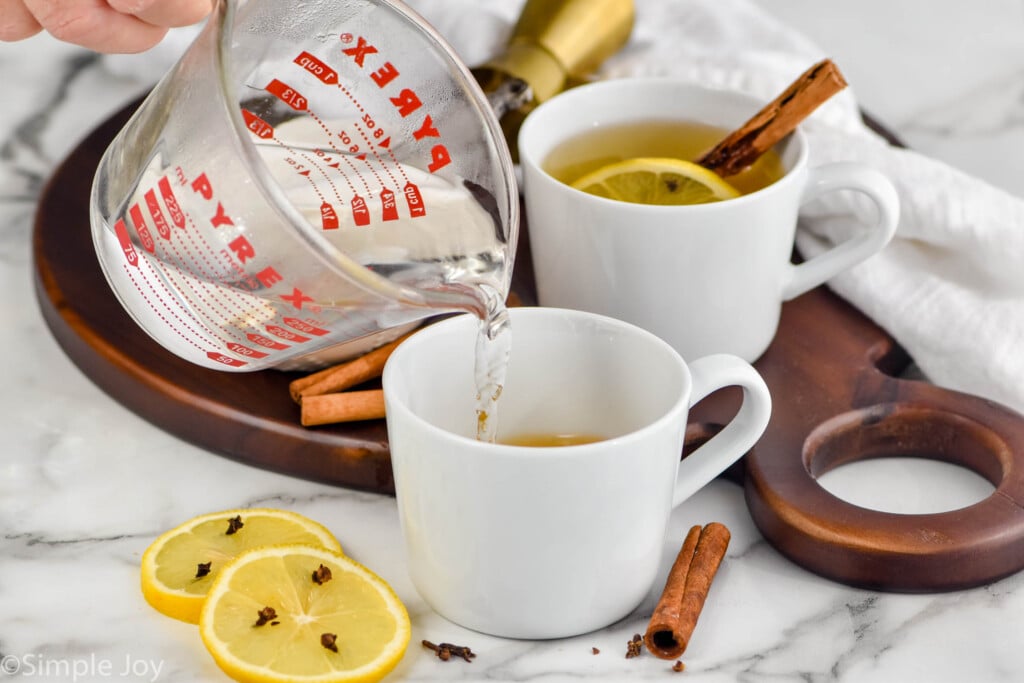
(709, 374)
(859, 178)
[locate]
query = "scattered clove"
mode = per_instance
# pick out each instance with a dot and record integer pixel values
(202, 569)
(634, 646)
(446, 650)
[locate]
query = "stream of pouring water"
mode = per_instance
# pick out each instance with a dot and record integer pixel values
(493, 346)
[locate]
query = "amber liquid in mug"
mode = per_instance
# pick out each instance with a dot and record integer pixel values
(688, 140)
(545, 440)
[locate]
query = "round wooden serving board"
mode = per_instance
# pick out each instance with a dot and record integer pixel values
(831, 372)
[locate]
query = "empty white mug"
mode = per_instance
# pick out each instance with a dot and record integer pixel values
(707, 278)
(548, 542)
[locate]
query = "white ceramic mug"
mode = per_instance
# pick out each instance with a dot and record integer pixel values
(707, 278)
(547, 542)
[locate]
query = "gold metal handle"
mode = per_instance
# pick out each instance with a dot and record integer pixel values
(558, 41)
(555, 44)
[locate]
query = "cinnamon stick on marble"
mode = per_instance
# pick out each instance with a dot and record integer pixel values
(776, 120)
(348, 374)
(346, 406)
(686, 589)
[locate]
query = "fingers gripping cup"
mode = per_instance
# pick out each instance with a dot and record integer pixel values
(310, 180)
(550, 541)
(707, 277)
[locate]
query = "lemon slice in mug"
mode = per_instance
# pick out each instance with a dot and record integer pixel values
(303, 614)
(650, 180)
(179, 566)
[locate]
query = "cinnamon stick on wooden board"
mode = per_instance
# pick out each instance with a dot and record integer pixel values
(346, 406)
(686, 589)
(775, 121)
(349, 374)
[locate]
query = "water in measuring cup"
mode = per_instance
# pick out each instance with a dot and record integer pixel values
(205, 295)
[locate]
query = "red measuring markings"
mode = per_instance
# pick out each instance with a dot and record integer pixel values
(328, 216)
(303, 326)
(157, 214)
(219, 357)
(415, 200)
(287, 94)
(245, 350)
(388, 205)
(140, 227)
(317, 68)
(171, 202)
(258, 126)
(281, 332)
(265, 342)
(360, 213)
(130, 255)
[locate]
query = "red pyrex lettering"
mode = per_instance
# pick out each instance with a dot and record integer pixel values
(297, 298)
(204, 188)
(287, 94)
(317, 68)
(405, 100)
(243, 250)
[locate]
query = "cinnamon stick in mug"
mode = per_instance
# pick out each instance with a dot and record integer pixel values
(347, 406)
(776, 120)
(686, 589)
(349, 374)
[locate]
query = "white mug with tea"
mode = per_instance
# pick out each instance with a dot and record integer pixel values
(708, 277)
(551, 540)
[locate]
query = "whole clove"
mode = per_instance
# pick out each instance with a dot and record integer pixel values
(634, 646)
(446, 651)
(321, 575)
(234, 524)
(264, 615)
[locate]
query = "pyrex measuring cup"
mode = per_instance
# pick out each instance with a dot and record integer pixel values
(309, 181)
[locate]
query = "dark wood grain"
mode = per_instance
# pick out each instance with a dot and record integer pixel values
(831, 372)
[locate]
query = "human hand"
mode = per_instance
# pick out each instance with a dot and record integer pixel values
(101, 25)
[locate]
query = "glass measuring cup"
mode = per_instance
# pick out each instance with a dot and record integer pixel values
(309, 181)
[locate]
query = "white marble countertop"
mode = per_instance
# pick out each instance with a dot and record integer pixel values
(85, 485)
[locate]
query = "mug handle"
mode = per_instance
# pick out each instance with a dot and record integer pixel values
(845, 176)
(711, 458)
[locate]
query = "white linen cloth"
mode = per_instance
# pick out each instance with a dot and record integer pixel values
(949, 288)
